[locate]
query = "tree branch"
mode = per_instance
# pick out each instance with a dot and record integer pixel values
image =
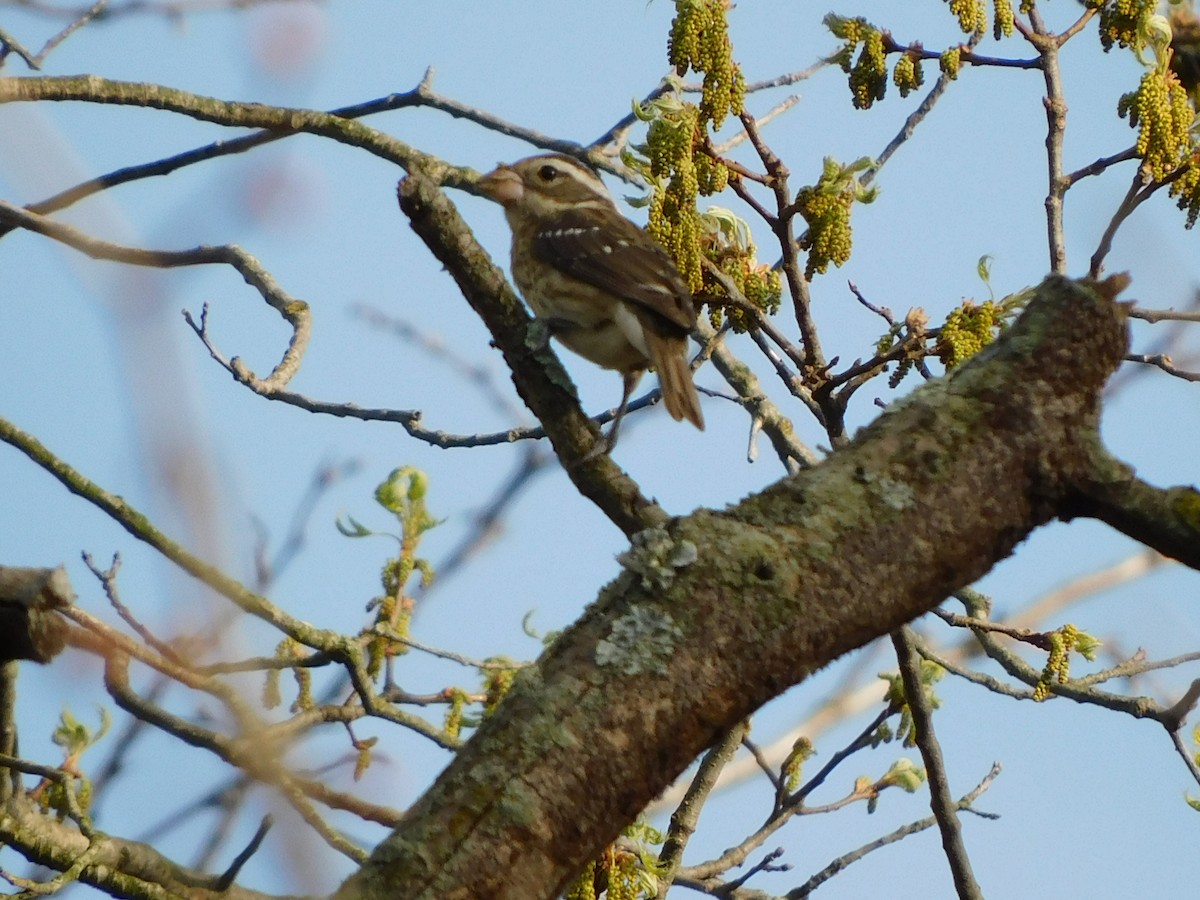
(812, 567)
(940, 799)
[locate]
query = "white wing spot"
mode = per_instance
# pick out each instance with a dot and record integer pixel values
(572, 232)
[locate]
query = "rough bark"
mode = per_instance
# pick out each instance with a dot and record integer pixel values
(720, 611)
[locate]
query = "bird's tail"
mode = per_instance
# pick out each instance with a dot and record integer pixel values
(670, 358)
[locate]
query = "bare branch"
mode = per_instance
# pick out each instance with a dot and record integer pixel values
(687, 814)
(35, 60)
(1164, 362)
(841, 862)
(944, 807)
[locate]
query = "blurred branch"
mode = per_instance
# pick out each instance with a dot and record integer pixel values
(294, 312)
(118, 867)
(34, 60)
(139, 526)
(268, 570)
(171, 9)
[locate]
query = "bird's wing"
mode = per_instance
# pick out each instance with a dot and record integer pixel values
(608, 251)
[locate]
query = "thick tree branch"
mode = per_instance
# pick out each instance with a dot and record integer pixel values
(720, 611)
(119, 867)
(1167, 520)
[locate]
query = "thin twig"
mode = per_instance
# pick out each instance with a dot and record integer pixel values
(837, 865)
(940, 799)
(915, 118)
(1164, 362)
(1055, 103)
(35, 60)
(1160, 315)
(685, 816)
(228, 876)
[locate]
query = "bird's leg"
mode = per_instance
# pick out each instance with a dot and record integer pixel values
(605, 445)
(630, 381)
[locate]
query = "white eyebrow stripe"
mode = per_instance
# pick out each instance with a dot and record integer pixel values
(578, 171)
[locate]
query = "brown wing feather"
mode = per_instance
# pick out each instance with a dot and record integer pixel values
(608, 251)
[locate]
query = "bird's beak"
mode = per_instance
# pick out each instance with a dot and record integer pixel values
(503, 185)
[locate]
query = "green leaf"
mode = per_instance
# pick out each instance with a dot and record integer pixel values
(352, 528)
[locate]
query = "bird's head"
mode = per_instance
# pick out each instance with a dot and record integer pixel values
(544, 185)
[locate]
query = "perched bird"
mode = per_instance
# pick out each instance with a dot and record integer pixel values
(603, 286)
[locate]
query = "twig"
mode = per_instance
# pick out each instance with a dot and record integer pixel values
(772, 776)
(842, 862)
(140, 527)
(1128, 204)
(35, 60)
(773, 113)
(613, 137)
(792, 805)
(966, 54)
(1164, 362)
(228, 876)
(108, 579)
(1154, 316)
(940, 799)
(1055, 102)
(854, 698)
(764, 414)
(1140, 190)
(1027, 635)
(915, 118)
(1099, 166)
(685, 816)
(1188, 755)
(734, 297)
(482, 665)
(294, 312)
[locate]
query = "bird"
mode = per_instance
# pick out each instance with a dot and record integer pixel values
(605, 289)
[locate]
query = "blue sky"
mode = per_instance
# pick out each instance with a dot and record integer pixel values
(97, 362)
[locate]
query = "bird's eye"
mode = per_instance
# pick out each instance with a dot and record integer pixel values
(547, 173)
